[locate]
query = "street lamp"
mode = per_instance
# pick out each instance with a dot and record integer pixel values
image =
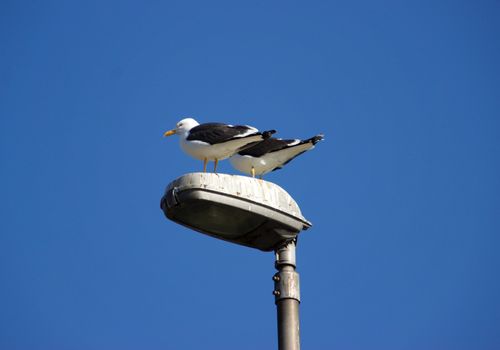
(249, 212)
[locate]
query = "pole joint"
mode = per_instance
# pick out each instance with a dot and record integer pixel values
(286, 286)
(286, 280)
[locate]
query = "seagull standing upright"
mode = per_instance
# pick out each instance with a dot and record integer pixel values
(215, 141)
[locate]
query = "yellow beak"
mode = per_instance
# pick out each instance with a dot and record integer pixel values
(169, 133)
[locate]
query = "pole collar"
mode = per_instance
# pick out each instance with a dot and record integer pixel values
(286, 286)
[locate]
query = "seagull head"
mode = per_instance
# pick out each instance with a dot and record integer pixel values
(182, 127)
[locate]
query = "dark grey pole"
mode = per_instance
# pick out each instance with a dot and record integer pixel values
(287, 297)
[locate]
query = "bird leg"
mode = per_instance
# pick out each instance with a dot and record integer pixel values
(205, 161)
(215, 164)
(253, 172)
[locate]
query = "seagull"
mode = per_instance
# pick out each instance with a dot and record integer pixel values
(215, 141)
(271, 154)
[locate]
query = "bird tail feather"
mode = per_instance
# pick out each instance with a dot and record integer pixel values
(267, 134)
(315, 139)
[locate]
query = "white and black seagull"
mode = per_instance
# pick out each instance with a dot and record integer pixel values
(215, 141)
(271, 154)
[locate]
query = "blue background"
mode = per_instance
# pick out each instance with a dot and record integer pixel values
(404, 193)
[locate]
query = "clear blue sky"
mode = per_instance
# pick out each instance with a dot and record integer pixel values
(404, 193)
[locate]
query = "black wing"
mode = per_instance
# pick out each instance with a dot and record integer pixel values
(214, 133)
(267, 146)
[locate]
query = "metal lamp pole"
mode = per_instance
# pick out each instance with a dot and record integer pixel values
(287, 297)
